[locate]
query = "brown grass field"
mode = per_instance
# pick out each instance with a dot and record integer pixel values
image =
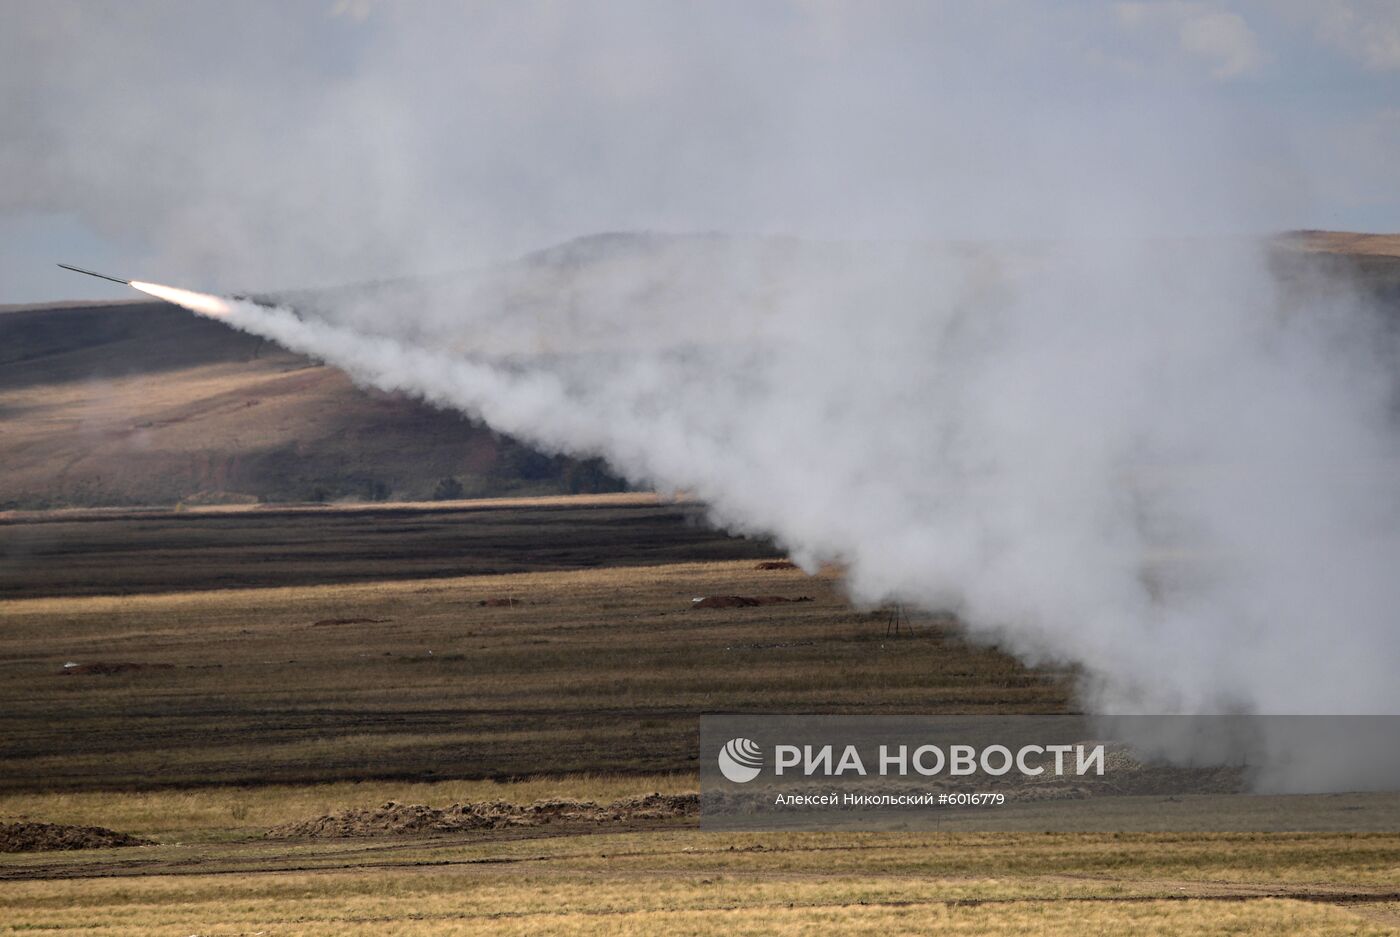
(315, 687)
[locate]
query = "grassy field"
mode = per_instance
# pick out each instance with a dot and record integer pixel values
(129, 552)
(582, 670)
(676, 879)
(581, 679)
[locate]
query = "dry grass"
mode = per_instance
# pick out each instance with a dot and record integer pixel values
(1347, 242)
(690, 883)
(704, 907)
(207, 813)
(589, 687)
(600, 670)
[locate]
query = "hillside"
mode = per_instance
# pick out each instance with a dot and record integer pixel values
(141, 403)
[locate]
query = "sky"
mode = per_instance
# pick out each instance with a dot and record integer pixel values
(259, 146)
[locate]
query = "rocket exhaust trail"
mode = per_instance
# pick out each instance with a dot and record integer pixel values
(202, 303)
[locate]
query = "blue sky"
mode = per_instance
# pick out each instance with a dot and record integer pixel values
(263, 145)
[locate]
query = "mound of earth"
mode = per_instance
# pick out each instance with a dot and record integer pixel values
(393, 817)
(744, 601)
(42, 837)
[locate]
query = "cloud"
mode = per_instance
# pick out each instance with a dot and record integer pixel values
(1367, 32)
(357, 10)
(1220, 39)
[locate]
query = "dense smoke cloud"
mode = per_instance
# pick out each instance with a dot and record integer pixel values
(1129, 458)
(1099, 437)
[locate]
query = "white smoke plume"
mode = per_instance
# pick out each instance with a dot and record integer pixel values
(1133, 458)
(1110, 437)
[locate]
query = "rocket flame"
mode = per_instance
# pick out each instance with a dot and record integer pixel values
(202, 303)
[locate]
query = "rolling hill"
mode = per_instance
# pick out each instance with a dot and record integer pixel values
(143, 403)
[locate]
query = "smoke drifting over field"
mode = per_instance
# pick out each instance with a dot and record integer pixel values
(1130, 458)
(1099, 441)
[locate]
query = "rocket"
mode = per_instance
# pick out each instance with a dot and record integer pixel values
(202, 303)
(93, 273)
